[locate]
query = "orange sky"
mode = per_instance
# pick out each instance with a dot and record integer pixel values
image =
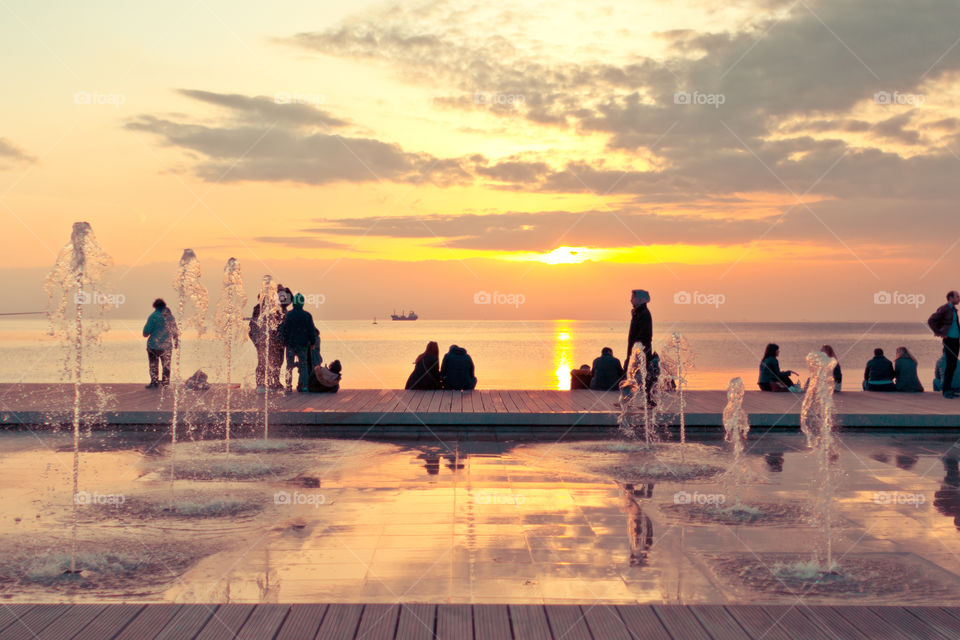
(793, 160)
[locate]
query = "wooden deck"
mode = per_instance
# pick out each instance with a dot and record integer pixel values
(464, 622)
(397, 412)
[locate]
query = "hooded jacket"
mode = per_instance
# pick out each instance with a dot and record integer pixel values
(457, 371)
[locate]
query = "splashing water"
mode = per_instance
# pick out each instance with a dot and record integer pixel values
(229, 324)
(268, 322)
(817, 423)
(736, 426)
(634, 408)
(81, 267)
(677, 360)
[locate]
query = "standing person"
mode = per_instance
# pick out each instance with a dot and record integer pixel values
(426, 370)
(268, 364)
(162, 336)
(457, 371)
(771, 378)
(878, 374)
(944, 325)
(641, 324)
(607, 371)
(298, 334)
(837, 373)
(905, 372)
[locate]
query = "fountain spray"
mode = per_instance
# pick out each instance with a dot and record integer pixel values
(81, 266)
(229, 323)
(817, 423)
(678, 358)
(736, 426)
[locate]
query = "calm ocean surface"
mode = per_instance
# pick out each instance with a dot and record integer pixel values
(508, 355)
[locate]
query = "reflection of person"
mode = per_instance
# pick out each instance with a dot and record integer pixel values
(947, 499)
(162, 336)
(774, 461)
(639, 525)
(641, 324)
(944, 325)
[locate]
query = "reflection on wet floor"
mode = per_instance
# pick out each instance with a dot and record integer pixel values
(349, 521)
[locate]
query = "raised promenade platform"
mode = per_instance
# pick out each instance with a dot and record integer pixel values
(398, 413)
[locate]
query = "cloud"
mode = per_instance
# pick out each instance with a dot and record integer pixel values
(302, 242)
(13, 154)
(260, 141)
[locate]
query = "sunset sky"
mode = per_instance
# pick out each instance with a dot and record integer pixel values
(775, 160)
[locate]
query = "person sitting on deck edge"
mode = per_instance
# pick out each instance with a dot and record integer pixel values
(607, 371)
(457, 370)
(426, 370)
(905, 372)
(771, 378)
(878, 374)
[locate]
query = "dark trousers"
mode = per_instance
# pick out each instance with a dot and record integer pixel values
(951, 346)
(155, 357)
(297, 357)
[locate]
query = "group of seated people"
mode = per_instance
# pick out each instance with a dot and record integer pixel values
(880, 374)
(456, 372)
(607, 373)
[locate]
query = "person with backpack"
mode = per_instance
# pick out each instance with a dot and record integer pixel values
(944, 325)
(162, 337)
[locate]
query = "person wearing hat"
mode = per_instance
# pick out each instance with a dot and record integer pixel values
(298, 334)
(641, 324)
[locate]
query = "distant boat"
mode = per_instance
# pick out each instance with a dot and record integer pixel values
(403, 316)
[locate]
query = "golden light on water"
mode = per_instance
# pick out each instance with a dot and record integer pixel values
(561, 354)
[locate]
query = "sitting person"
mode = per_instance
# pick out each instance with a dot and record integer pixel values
(837, 373)
(580, 378)
(456, 370)
(426, 370)
(905, 372)
(878, 374)
(938, 373)
(325, 379)
(607, 371)
(771, 378)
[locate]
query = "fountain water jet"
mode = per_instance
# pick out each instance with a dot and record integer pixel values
(81, 266)
(230, 326)
(633, 399)
(267, 322)
(736, 426)
(188, 287)
(677, 359)
(817, 424)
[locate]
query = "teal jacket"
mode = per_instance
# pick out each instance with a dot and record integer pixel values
(161, 330)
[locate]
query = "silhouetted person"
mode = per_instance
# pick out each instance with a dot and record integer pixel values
(426, 370)
(837, 373)
(162, 336)
(457, 371)
(580, 378)
(878, 374)
(641, 324)
(938, 371)
(905, 372)
(771, 378)
(268, 364)
(607, 371)
(298, 333)
(944, 325)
